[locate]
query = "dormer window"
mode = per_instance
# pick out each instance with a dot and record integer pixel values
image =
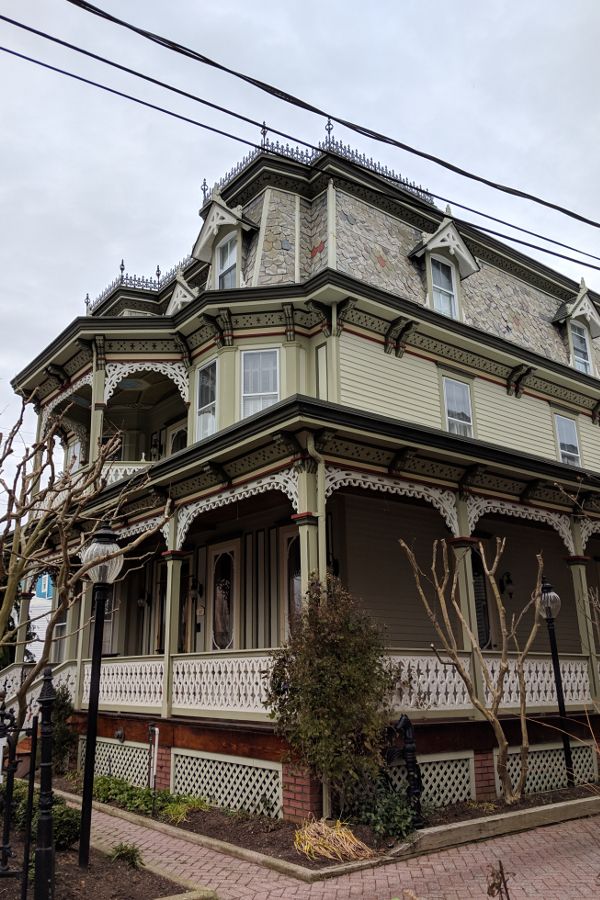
(227, 263)
(443, 282)
(582, 359)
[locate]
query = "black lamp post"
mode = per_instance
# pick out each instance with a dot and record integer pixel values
(102, 544)
(550, 605)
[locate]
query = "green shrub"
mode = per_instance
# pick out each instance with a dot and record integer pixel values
(64, 736)
(172, 807)
(383, 808)
(66, 826)
(129, 853)
(177, 810)
(330, 690)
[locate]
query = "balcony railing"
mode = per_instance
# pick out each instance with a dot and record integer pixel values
(115, 471)
(539, 680)
(129, 681)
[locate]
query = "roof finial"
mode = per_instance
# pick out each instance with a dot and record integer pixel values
(122, 268)
(328, 129)
(264, 132)
(448, 210)
(582, 286)
(88, 303)
(204, 187)
(158, 273)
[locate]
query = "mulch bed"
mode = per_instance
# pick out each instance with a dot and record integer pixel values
(274, 837)
(104, 880)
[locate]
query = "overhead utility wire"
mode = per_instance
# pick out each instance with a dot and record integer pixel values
(273, 151)
(283, 134)
(309, 107)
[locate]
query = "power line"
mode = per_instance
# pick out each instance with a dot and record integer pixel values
(283, 134)
(309, 107)
(271, 149)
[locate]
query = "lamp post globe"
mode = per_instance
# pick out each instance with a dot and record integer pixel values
(102, 574)
(550, 608)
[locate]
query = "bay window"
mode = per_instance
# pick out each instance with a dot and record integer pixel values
(457, 399)
(207, 400)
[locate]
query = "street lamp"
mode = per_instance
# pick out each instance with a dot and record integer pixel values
(102, 575)
(550, 604)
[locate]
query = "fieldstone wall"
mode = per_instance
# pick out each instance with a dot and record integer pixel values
(313, 236)
(279, 246)
(374, 246)
(499, 303)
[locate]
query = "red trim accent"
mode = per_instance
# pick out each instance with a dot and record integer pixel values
(222, 490)
(577, 560)
(304, 518)
(462, 541)
(173, 554)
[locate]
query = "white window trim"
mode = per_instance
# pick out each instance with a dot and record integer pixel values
(449, 376)
(235, 234)
(455, 285)
(258, 350)
(180, 425)
(210, 362)
(588, 343)
(564, 415)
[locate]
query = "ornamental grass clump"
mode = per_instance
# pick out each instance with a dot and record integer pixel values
(335, 841)
(330, 691)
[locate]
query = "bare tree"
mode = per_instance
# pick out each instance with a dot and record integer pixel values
(48, 512)
(447, 618)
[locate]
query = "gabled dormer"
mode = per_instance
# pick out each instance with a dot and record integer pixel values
(220, 243)
(183, 294)
(448, 261)
(582, 323)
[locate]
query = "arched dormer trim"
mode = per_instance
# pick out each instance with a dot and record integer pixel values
(219, 216)
(447, 239)
(182, 294)
(581, 308)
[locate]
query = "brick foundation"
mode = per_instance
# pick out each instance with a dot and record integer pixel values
(302, 794)
(485, 775)
(163, 768)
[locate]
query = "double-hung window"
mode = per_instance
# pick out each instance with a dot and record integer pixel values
(207, 400)
(444, 288)
(457, 398)
(260, 380)
(227, 262)
(568, 442)
(581, 348)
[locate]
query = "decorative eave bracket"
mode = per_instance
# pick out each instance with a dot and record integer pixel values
(402, 460)
(516, 379)
(221, 326)
(324, 313)
(396, 337)
(343, 311)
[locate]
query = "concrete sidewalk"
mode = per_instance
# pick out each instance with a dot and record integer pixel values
(558, 862)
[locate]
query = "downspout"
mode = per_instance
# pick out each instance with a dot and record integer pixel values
(321, 513)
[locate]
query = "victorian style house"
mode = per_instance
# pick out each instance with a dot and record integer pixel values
(338, 364)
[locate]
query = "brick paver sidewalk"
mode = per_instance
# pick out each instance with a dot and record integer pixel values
(558, 862)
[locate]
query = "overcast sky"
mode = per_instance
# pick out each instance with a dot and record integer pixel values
(503, 88)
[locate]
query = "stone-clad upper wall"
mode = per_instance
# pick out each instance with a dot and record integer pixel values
(501, 304)
(374, 247)
(279, 240)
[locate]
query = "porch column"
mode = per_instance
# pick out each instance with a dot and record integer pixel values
(228, 400)
(97, 412)
(83, 640)
(172, 613)
(22, 627)
(311, 526)
(577, 565)
(466, 590)
(70, 640)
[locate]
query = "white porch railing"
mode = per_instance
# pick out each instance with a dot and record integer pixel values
(129, 681)
(115, 471)
(229, 683)
(425, 683)
(63, 673)
(539, 680)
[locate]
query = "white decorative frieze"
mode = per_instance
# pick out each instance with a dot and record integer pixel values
(479, 506)
(540, 683)
(228, 684)
(60, 398)
(588, 527)
(285, 481)
(176, 371)
(426, 683)
(128, 682)
(144, 525)
(443, 500)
